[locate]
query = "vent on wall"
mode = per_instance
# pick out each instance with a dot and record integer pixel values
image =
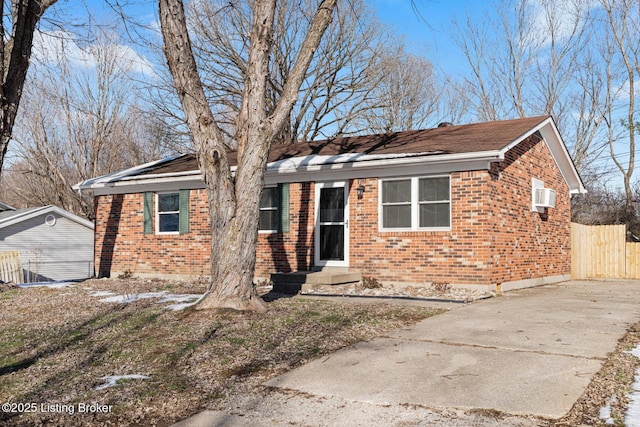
(545, 198)
(541, 197)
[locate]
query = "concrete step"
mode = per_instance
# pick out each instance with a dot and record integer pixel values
(294, 282)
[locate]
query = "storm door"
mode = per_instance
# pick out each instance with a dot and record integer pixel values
(332, 224)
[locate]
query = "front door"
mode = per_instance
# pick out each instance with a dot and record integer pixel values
(332, 224)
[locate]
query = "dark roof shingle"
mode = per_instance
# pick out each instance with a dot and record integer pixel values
(477, 137)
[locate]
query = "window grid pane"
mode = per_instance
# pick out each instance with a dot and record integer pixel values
(432, 208)
(169, 222)
(396, 191)
(169, 202)
(268, 220)
(269, 198)
(433, 189)
(434, 215)
(396, 216)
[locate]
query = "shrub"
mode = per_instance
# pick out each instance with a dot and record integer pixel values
(369, 282)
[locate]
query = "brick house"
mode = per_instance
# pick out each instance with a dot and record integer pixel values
(484, 205)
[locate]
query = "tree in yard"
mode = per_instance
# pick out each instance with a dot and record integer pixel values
(408, 95)
(234, 197)
(337, 87)
(81, 119)
(16, 42)
(621, 60)
(531, 58)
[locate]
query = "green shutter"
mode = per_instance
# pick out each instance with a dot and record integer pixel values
(283, 206)
(184, 211)
(148, 213)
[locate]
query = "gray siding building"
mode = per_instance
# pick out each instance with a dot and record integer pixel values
(54, 244)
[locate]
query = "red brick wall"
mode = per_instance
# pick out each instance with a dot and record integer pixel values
(122, 246)
(494, 236)
(292, 251)
(460, 255)
(527, 244)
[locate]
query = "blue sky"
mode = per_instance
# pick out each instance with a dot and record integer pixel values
(426, 29)
(426, 25)
(427, 32)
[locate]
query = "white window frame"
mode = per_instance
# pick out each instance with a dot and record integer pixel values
(276, 208)
(415, 204)
(158, 213)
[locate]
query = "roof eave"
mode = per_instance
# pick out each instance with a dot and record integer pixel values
(123, 174)
(558, 150)
(44, 210)
(299, 168)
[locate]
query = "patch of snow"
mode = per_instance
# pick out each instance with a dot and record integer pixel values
(112, 380)
(125, 299)
(50, 285)
(180, 298)
(605, 414)
(101, 294)
(188, 302)
(632, 417)
(183, 300)
(636, 351)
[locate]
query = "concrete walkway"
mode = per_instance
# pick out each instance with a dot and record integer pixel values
(528, 352)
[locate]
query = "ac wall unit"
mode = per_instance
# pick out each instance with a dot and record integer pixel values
(545, 198)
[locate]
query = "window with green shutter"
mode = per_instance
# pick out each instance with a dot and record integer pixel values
(274, 209)
(268, 221)
(171, 212)
(167, 213)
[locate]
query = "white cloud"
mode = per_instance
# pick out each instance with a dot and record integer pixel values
(561, 16)
(51, 47)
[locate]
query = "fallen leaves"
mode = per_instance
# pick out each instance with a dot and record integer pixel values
(56, 345)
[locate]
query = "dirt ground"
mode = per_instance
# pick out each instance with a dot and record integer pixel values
(57, 345)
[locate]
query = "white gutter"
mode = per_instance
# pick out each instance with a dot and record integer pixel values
(123, 174)
(149, 179)
(315, 162)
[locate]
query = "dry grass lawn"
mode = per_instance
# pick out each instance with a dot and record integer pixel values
(57, 344)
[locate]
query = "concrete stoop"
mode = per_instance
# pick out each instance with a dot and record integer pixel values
(292, 283)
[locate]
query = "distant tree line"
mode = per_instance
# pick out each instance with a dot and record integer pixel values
(576, 60)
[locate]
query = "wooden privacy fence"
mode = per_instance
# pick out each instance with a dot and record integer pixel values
(602, 251)
(10, 267)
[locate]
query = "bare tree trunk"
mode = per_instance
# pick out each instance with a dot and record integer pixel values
(234, 203)
(15, 53)
(623, 27)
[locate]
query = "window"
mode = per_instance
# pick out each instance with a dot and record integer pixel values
(416, 203)
(274, 209)
(168, 212)
(396, 204)
(269, 209)
(434, 202)
(171, 215)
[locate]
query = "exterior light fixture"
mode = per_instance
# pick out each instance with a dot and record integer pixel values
(360, 191)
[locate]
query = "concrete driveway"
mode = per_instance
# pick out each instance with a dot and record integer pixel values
(530, 352)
